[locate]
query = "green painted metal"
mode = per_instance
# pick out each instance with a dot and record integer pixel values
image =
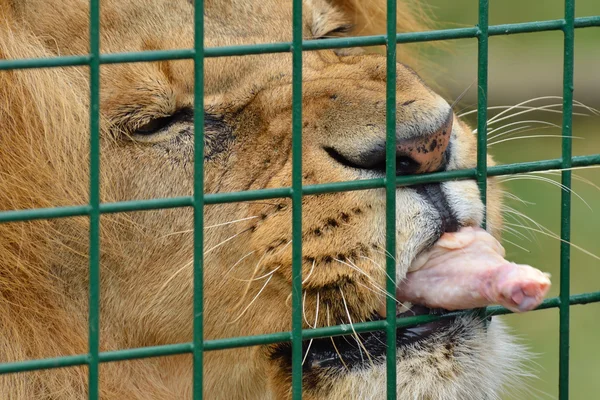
(308, 45)
(390, 200)
(308, 190)
(482, 99)
(257, 340)
(297, 200)
(198, 317)
(94, 256)
(198, 346)
(565, 210)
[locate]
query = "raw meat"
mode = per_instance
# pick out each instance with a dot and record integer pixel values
(467, 269)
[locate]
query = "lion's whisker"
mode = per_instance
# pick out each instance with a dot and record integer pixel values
(532, 137)
(283, 248)
(384, 251)
(515, 232)
(546, 108)
(460, 96)
(525, 128)
(516, 177)
(515, 216)
(575, 176)
(567, 169)
(209, 226)
(238, 262)
(460, 112)
(378, 266)
(516, 245)
(230, 222)
(253, 300)
(380, 291)
(577, 103)
(524, 218)
(312, 326)
(333, 342)
(354, 267)
(258, 278)
(309, 272)
(525, 121)
(356, 337)
(303, 310)
(247, 288)
(166, 283)
(517, 198)
(225, 241)
(554, 236)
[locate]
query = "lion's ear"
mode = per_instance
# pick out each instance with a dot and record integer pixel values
(369, 16)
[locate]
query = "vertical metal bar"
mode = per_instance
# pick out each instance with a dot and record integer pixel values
(94, 273)
(482, 99)
(198, 199)
(565, 227)
(390, 199)
(297, 200)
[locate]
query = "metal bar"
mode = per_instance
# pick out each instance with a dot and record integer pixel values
(390, 199)
(565, 211)
(149, 56)
(257, 340)
(51, 62)
(308, 45)
(482, 99)
(308, 190)
(297, 200)
(198, 268)
(94, 260)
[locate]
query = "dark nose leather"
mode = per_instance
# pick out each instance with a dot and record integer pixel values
(420, 153)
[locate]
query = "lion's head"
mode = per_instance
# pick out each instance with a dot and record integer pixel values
(146, 256)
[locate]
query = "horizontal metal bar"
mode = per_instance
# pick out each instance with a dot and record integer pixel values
(543, 165)
(44, 213)
(146, 352)
(146, 56)
(263, 194)
(44, 363)
(256, 340)
(307, 45)
(246, 341)
(248, 49)
(250, 195)
(143, 205)
(50, 62)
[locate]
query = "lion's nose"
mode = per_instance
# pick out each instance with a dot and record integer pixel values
(420, 152)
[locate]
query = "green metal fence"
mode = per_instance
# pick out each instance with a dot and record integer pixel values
(198, 346)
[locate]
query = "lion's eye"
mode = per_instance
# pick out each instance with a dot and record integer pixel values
(339, 31)
(155, 125)
(152, 129)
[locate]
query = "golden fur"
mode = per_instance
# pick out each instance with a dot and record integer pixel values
(146, 285)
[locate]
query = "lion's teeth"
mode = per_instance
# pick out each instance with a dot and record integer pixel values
(403, 307)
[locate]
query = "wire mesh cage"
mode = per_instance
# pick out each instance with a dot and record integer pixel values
(390, 183)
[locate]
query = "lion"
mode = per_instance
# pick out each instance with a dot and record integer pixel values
(146, 128)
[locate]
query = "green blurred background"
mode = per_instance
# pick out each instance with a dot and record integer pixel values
(523, 67)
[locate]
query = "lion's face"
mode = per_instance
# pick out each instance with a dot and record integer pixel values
(147, 152)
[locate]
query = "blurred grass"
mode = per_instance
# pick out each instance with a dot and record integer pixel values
(522, 67)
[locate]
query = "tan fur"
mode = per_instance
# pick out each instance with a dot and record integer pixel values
(146, 285)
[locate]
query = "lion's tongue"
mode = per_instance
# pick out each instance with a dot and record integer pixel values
(467, 269)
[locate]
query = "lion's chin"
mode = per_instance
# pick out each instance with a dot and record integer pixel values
(354, 351)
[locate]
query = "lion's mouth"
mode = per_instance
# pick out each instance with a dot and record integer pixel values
(362, 350)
